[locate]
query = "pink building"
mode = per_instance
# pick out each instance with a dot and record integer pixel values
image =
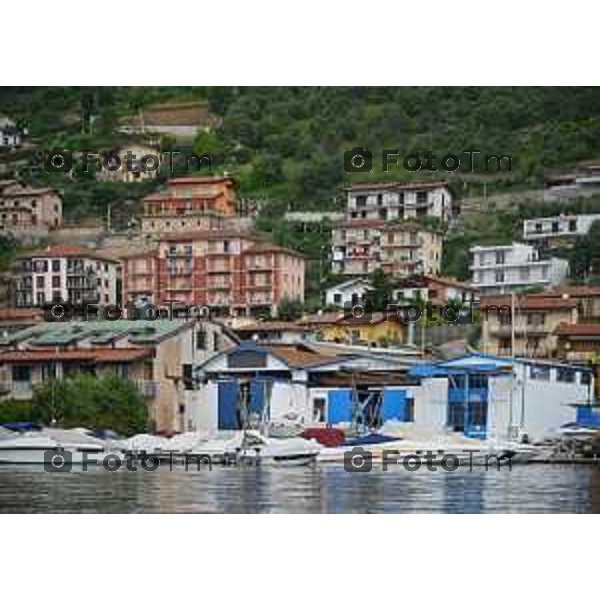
(232, 272)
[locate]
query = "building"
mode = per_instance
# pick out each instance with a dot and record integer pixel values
(181, 120)
(298, 382)
(393, 200)
(25, 210)
(476, 395)
(234, 273)
(15, 319)
(490, 397)
(361, 246)
(537, 319)
(136, 162)
(72, 273)
(157, 356)
(189, 204)
(350, 292)
(437, 290)
(376, 329)
(10, 135)
(559, 230)
(586, 296)
(504, 269)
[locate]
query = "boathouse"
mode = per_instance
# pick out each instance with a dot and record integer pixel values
(490, 396)
(299, 382)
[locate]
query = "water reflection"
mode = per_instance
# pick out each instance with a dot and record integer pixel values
(327, 488)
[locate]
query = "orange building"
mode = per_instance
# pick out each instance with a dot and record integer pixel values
(189, 203)
(232, 272)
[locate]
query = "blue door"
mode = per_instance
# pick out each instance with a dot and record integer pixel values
(257, 396)
(228, 396)
(339, 406)
(393, 405)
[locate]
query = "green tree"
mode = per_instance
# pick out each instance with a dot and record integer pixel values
(289, 310)
(381, 294)
(94, 402)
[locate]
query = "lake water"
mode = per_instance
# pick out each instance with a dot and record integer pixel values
(318, 489)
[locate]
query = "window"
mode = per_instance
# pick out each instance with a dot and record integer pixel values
(226, 246)
(500, 258)
(499, 276)
(337, 298)
(201, 340)
(56, 266)
(40, 281)
(536, 319)
(409, 410)
(538, 227)
(21, 373)
(319, 410)
(539, 372)
(477, 414)
(361, 201)
(56, 281)
(585, 378)
(554, 226)
(573, 225)
(565, 375)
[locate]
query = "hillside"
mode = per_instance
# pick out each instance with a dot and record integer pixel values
(285, 145)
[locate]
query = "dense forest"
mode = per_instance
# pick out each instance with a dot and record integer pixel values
(285, 145)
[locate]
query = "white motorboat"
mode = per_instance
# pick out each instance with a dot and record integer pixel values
(435, 450)
(252, 447)
(57, 447)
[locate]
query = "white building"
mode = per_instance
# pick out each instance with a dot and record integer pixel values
(70, 273)
(351, 291)
(477, 395)
(487, 396)
(393, 200)
(561, 226)
(503, 269)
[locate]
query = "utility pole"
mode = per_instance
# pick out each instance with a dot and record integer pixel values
(512, 352)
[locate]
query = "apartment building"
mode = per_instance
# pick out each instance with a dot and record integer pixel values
(586, 296)
(232, 272)
(537, 319)
(559, 230)
(504, 269)
(78, 275)
(156, 356)
(393, 200)
(189, 204)
(25, 210)
(400, 249)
